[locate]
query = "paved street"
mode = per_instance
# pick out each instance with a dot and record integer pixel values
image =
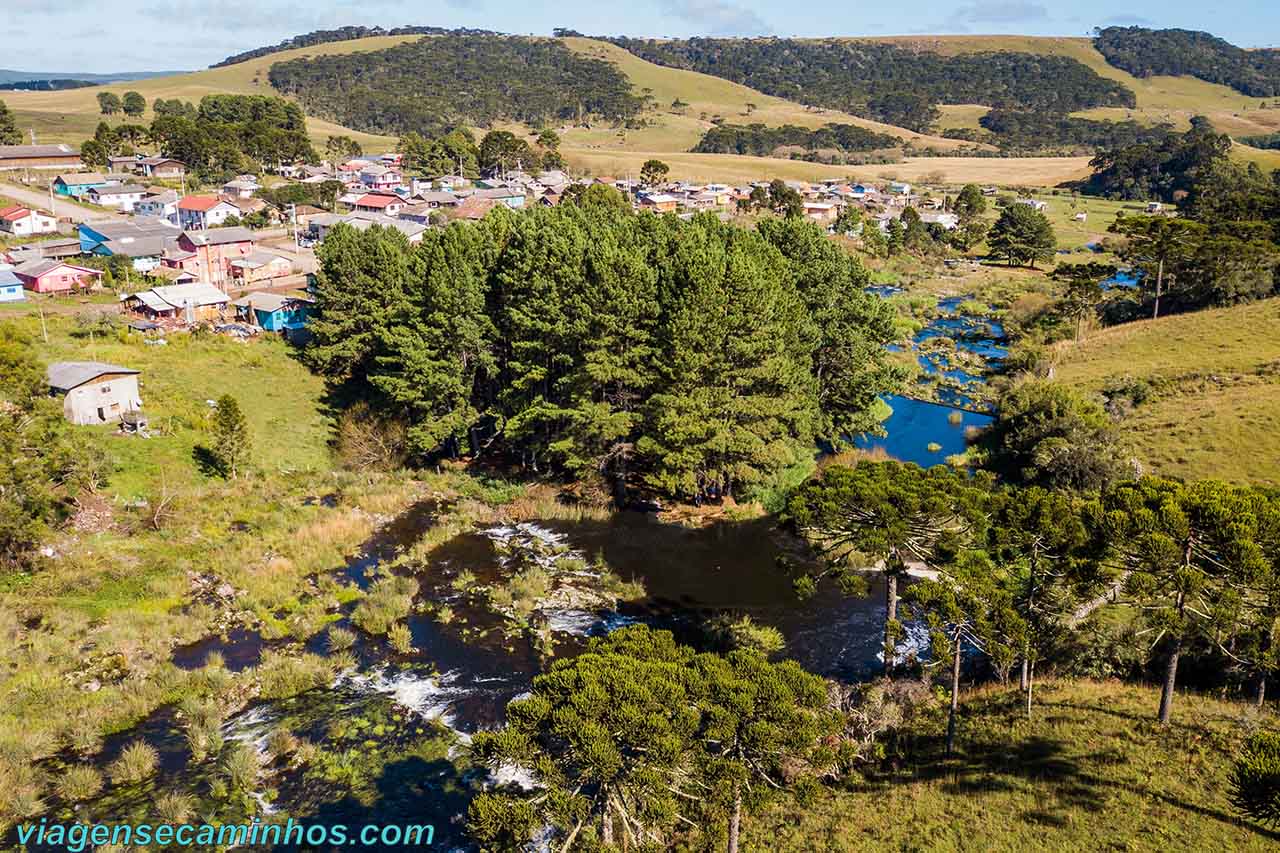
(63, 209)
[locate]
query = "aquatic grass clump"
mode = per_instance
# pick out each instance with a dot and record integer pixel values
(339, 639)
(281, 676)
(241, 767)
(388, 601)
(401, 638)
(79, 782)
(202, 719)
(175, 807)
(137, 763)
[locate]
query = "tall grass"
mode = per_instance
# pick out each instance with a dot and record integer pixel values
(137, 763)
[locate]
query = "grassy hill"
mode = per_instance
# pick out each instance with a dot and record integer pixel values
(1090, 771)
(1216, 381)
(709, 96)
(71, 116)
(1160, 99)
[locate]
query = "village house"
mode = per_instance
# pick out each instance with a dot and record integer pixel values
(120, 196)
(94, 392)
(274, 312)
(259, 266)
(948, 221)
(39, 157)
(76, 184)
(193, 302)
(511, 197)
(659, 202)
(204, 211)
(899, 188)
(47, 275)
(246, 206)
(820, 211)
(208, 254)
(378, 177)
(11, 289)
(386, 203)
(1034, 204)
(474, 208)
(143, 239)
(162, 168)
(161, 205)
(242, 187)
(24, 222)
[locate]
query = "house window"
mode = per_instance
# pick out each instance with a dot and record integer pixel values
(106, 389)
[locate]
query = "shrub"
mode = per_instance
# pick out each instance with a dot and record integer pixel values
(79, 782)
(175, 807)
(1255, 780)
(137, 763)
(241, 767)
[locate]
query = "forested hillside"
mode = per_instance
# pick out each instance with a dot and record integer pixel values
(763, 141)
(345, 34)
(438, 82)
(890, 83)
(1145, 52)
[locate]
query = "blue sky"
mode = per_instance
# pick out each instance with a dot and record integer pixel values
(178, 34)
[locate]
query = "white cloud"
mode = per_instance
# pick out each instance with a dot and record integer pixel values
(718, 17)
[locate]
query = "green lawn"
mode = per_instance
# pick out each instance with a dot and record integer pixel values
(1216, 410)
(289, 425)
(1090, 771)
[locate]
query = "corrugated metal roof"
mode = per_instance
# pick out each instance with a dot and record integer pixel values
(66, 375)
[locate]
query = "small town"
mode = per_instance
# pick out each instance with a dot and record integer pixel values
(745, 431)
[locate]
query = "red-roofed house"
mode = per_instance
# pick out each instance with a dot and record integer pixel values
(389, 204)
(45, 275)
(204, 211)
(23, 221)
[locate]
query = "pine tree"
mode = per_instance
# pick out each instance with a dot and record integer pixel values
(1022, 235)
(9, 133)
(231, 441)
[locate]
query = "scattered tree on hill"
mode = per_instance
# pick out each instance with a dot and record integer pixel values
(1082, 289)
(133, 104)
(230, 437)
(653, 172)
(1022, 235)
(883, 517)
(1164, 170)
(109, 103)
(339, 149)
(9, 133)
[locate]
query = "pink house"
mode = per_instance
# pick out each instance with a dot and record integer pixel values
(46, 275)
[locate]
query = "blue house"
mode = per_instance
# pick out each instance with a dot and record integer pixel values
(77, 184)
(11, 287)
(274, 312)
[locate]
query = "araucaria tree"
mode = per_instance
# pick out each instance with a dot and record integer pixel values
(639, 736)
(1082, 289)
(9, 132)
(230, 437)
(1190, 556)
(886, 518)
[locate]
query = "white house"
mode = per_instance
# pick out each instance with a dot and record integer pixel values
(23, 221)
(1034, 204)
(161, 205)
(121, 196)
(204, 211)
(242, 187)
(93, 392)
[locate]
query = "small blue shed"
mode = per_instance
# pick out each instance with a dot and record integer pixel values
(274, 312)
(11, 287)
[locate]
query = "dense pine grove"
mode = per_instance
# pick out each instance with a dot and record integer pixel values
(694, 357)
(762, 141)
(1145, 52)
(886, 82)
(1024, 132)
(345, 34)
(439, 82)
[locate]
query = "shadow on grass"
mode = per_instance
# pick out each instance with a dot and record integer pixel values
(207, 462)
(989, 763)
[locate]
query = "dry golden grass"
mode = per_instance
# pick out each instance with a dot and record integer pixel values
(733, 168)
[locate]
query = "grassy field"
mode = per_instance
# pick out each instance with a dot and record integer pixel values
(1216, 407)
(70, 116)
(1025, 171)
(1090, 771)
